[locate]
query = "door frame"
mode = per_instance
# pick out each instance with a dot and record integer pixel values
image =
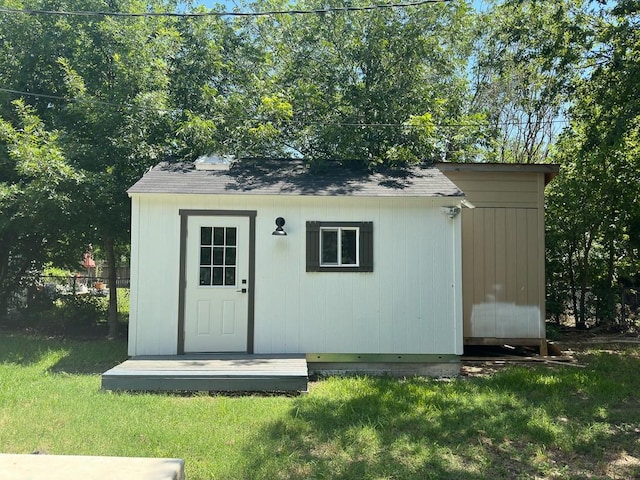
(184, 218)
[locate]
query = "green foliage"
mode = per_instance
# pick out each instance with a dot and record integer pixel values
(335, 86)
(527, 54)
(109, 125)
(36, 199)
(73, 311)
(52, 271)
(71, 316)
(593, 205)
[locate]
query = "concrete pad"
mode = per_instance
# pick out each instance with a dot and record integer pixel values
(71, 467)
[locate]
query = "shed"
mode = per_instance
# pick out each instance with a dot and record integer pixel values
(269, 257)
(503, 252)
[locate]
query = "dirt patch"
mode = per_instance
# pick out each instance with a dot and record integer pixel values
(481, 361)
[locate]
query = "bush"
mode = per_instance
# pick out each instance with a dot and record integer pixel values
(82, 315)
(68, 315)
(81, 310)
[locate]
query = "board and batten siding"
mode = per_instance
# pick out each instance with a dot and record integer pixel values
(503, 254)
(410, 303)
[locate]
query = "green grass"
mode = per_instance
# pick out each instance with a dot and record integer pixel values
(521, 423)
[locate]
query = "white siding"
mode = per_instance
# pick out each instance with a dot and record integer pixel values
(154, 278)
(410, 303)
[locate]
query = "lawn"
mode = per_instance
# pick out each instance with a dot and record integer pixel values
(519, 423)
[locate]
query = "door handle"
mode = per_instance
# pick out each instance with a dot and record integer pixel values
(244, 290)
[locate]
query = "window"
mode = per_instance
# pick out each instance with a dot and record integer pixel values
(339, 246)
(218, 256)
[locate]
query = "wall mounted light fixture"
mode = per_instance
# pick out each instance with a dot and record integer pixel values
(450, 211)
(279, 224)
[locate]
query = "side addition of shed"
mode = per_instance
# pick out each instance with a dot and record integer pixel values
(503, 252)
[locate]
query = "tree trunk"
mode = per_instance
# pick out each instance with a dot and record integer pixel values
(573, 286)
(581, 321)
(112, 317)
(584, 284)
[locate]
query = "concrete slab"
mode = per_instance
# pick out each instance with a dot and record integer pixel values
(72, 467)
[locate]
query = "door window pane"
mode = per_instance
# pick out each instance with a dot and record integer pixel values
(231, 236)
(205, 255)
(205, 235)
(230, 256)
(218, 236)
(205, 276)
(229, 276)
(218, 255)
(217, 275)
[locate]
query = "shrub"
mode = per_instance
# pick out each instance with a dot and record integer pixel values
(77, 311)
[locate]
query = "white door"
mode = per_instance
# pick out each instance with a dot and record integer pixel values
(216, 297)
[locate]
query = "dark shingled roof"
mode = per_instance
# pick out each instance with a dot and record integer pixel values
(264, 177)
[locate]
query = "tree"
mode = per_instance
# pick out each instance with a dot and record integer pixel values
(527, 54)
(36, 185)
(593, 205)
(106, 81)
(371, 86)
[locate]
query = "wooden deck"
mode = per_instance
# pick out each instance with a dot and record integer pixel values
(212, 373)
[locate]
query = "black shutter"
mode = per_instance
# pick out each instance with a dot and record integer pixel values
(366, 247)
(313, 246)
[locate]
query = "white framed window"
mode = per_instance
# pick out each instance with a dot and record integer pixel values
(339, 246)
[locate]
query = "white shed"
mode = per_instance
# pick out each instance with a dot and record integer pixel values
(341, 265)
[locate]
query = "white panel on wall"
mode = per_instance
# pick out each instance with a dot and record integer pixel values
(159, 249)
(406, 305)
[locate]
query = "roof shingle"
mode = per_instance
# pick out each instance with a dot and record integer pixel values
(295, 178)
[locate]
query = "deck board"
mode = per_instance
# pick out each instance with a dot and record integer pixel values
(209, 373)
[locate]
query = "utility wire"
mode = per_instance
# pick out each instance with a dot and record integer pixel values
(213, 13)
(87, 100)
(290, 122)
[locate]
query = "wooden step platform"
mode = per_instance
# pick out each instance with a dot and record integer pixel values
(210, 373)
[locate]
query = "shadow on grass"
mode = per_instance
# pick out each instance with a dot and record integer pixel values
(21, 349)
(522, 423)
(60, 355)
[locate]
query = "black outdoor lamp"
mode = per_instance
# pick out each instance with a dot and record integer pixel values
(279, 224)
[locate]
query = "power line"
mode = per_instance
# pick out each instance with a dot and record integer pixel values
(213, 13)
(86, 100)
(290, 122)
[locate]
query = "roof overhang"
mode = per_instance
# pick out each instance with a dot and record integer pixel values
(550, 170)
